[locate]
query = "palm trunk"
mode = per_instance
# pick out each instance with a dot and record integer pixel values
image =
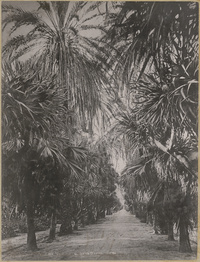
(155, 223)
(170, 231)
(31, 238)
(76, 224)
(52, 231)
(83, 221)
(184, 241)
(66, 227)
(108, 211)
(90, 217)
(104, 213)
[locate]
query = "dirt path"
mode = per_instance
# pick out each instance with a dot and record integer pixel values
(117, 237)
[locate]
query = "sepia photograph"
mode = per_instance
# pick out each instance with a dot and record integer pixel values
(99, 130)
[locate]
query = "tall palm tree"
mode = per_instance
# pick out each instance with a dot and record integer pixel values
(58, 38)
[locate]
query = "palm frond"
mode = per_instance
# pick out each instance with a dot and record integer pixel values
(19, 17)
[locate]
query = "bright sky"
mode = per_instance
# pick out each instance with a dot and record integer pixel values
(25, 5)
(105, 6)
(33, 6)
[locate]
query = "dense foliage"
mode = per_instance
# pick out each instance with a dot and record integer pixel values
(78, 68)
(161, 119)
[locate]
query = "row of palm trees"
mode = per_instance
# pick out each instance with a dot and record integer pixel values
(79, 65)
(160, 121)
(48, 98)
(42, 165)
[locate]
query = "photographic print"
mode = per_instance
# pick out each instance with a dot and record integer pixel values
(99, 133)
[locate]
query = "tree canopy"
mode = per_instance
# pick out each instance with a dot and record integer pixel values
(83, 82)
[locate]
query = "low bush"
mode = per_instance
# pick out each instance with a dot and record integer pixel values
(14, 226)
(7, 229)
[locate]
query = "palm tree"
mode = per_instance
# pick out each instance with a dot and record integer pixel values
(168, 167)
(34, 136)
(149, 129)
(86, 197)
(60, 42)
(162, 35)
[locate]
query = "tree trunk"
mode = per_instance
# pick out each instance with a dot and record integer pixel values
(104, 213)
(83, 221)
(66, 227)
(170, 231)
(108, 211)
(52, 231)
(184, 241)
(31, 238)
(149, 218)
(90, 217)
(76, 225)
(155, 223)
